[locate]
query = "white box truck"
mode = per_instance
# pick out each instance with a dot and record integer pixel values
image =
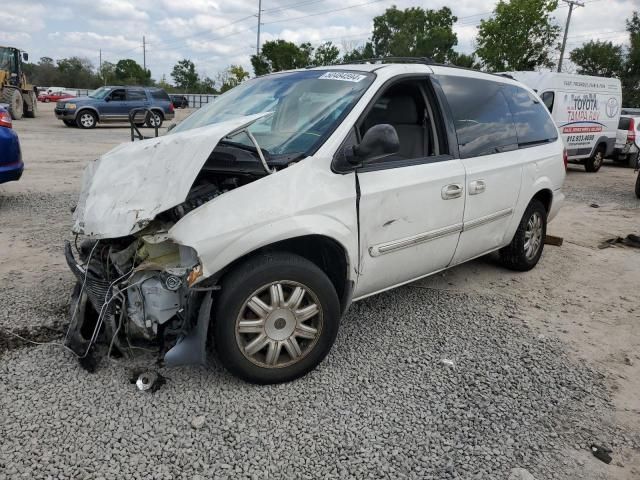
(586, 110)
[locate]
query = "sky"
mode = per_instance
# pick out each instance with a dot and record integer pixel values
(217, 33)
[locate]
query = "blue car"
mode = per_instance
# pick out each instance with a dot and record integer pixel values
(11, 165)
(113, 104)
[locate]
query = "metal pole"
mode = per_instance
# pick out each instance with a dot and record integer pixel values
(566, 30)
(101, 73)
(259, 19)
(144, 54)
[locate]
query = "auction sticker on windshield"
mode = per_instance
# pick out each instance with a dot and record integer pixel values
(344, 76)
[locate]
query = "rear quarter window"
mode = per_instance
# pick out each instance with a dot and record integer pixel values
(533, 123)
(483, 120)
(159, 95)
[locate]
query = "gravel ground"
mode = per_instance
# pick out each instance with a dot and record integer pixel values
(381, 405)
(592, 190)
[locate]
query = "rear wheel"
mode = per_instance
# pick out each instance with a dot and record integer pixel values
(154, 119)
(632, 160)
(86, 119)
(638, 186)
(525, 249)
(593, 163)
(13, 98)
(276, 318)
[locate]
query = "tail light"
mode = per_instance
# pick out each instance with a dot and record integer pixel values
(5, 119)
(171, 107)
(565, 158)
(631, 133)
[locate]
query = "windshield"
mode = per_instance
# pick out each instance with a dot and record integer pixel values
(100, 93)
(306, 106)
(6, 59)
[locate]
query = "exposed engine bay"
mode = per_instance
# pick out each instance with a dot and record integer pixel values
(143, 291)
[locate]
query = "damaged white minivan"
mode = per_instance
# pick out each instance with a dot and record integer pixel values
(251, 226)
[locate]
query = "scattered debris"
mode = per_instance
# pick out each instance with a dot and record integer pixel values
(630, 240)
(628, 360)
(198, 422)
(520, 474)
(601, 453)
(448, 363)
(147, 380)
(553, 240)
(594, 205)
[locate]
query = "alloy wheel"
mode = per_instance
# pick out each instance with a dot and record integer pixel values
(279, 324)
(533, 236)
(87, 120)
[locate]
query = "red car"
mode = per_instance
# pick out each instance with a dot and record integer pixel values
(54, 96)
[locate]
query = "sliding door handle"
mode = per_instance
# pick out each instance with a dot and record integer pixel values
(476, 187)
(452, 191)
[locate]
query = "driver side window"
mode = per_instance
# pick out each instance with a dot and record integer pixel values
(404, 106)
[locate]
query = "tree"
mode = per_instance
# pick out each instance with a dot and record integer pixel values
(631, 74)
(415, 32)
(76, 72)
(233, 76)
(207, 85)
(277, 55)
(464, 60)
(326, 54)
(130, 72)
(108, 72)
(598, 58)
(359, 53)
(519, 36)
(184, 75)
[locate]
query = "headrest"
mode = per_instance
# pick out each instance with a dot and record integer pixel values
(402, 110)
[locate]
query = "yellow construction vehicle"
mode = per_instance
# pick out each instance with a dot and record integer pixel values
(14, 90)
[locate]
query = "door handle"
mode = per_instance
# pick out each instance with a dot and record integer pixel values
(476, 187)
(451, 191)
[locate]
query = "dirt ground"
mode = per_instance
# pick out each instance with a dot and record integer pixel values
(584, 295)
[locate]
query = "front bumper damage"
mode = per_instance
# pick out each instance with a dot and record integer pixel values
(138, 294)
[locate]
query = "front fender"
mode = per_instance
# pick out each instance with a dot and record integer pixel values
(303, 199)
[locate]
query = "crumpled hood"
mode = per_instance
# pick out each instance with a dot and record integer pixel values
(126, 188)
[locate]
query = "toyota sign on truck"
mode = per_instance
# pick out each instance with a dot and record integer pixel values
(586, 110)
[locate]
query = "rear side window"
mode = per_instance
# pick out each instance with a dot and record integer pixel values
(136, 95)
(624, 123)
(160, 95)
(482, 117)
(533, 123)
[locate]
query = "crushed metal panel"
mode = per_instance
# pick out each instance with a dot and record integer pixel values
(127, 187)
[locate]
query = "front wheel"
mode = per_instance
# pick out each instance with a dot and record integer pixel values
(524, 251)
(86, 119)
(632, 160)
(276, 318)
(638, 186)
(593, 163)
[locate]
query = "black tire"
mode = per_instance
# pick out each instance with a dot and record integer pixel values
(594, 162)
(69, 123)
(157, 117)
(86, 119)
(241, 285)
(632, 160)
(638, 185)
(31, 113)
(514, 256)
(13, 98)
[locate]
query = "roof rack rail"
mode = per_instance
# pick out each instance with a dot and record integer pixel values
(505, 75)
(423, 60)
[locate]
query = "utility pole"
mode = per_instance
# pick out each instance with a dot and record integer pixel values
(144, 54)
(102, 71)
(259, 19)
(571, 3)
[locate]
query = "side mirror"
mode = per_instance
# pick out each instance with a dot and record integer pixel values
(378, 142)
(107, 99)
(25, 57)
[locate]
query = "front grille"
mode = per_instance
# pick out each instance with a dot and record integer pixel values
(97, 289)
